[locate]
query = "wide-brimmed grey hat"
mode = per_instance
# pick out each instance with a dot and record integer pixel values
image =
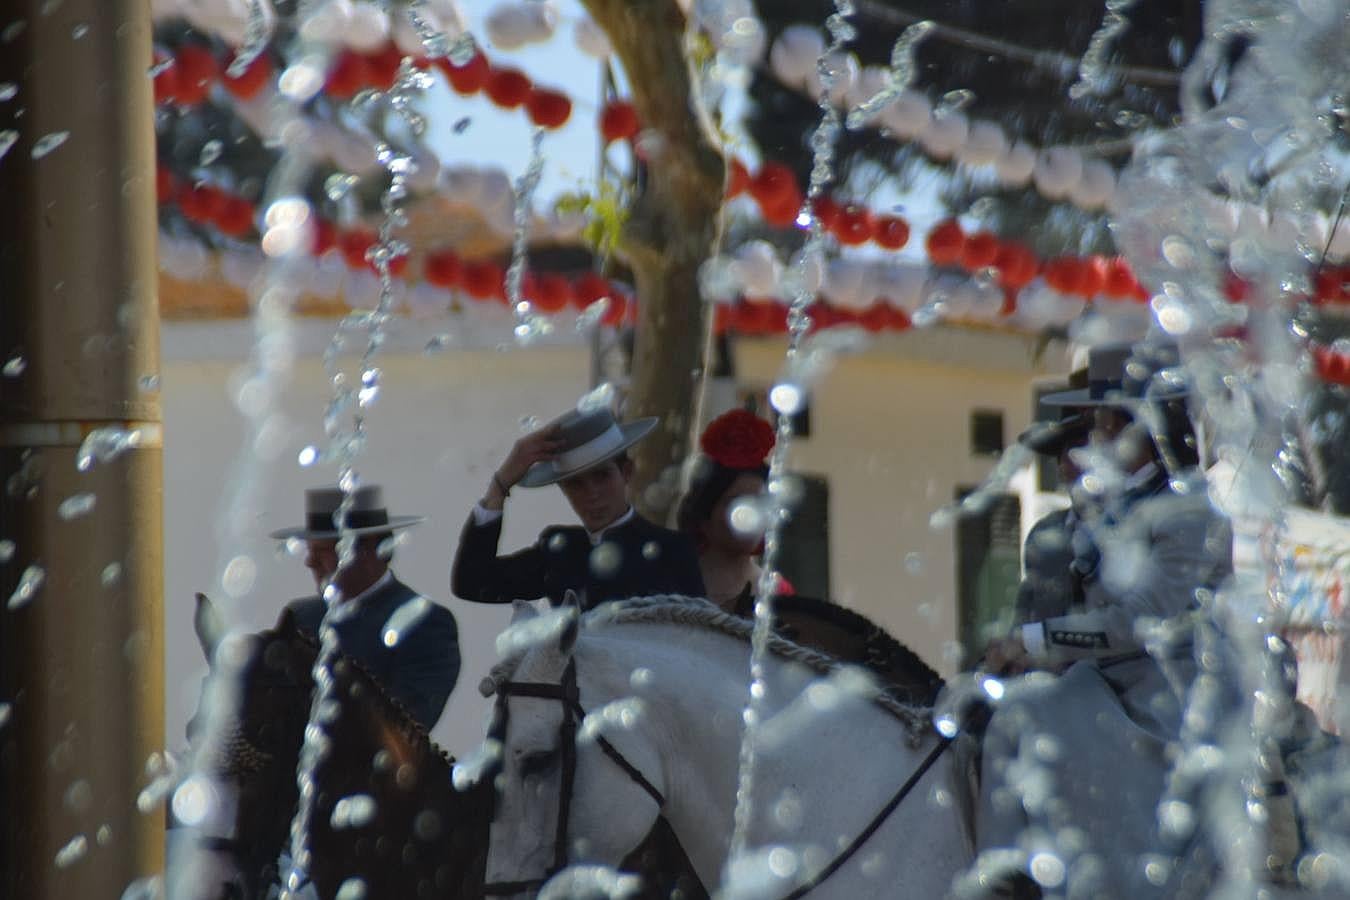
(367, 515)
(1126, 375)
(1050, 438)
(589, 437)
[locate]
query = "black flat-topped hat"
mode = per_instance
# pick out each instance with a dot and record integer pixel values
(1050, 438)
(367, 515)
(589, 437)
(1127, 374)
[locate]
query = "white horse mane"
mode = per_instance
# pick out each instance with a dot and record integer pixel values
(676, 609)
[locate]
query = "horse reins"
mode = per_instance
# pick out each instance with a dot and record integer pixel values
(568, 695)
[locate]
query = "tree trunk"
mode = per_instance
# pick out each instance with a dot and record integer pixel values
(671, 230)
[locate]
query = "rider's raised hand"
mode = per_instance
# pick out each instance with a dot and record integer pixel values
(537, 446)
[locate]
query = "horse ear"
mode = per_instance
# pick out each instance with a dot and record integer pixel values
(567, 636)
(523, 611)
(206, 622)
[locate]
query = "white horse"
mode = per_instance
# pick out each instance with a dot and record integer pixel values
(663, 682)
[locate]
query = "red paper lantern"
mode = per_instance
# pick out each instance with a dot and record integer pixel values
(166, 81)
(1329, 285)
(877, 318)
(552, 292)
(349, 74)
(1009, 302)
(1331, 366)
(588, 288)
(353, 244)
(165, 185)
(738, 178)
(197, 71)
(828, 212)
(383, 66)
(945, 242)
(1093, 276)
(236, 216)
(483, 280)
(980, 251)
(1065, 274)
(548, 108)
(1016, 264)
(508, 88)
(772, 183)
(617, 313)
(899, 319)
(619, 121)
(469, 78)
(822, 315)
(724, 317)
(754, 317)
(324, 237)
(398, 266)
(1119, 281)
(443, 269)
(201, 203)
(782, 212)
(855, 226)
(256, 76)
(891, 232)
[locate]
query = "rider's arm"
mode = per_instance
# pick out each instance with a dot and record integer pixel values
(479, 575)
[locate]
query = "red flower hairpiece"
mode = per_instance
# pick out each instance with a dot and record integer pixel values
(738, 440)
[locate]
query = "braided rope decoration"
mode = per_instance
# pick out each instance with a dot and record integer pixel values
(696, 612)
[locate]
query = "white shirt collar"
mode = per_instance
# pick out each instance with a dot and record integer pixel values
(352, 605)
(598, 536)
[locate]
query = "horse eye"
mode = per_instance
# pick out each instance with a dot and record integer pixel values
(538, 762)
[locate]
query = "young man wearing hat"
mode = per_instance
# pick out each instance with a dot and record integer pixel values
(408, 643)
(614, 554)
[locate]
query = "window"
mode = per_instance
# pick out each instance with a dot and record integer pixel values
(988, 570)
(804, 543)
(986, 432)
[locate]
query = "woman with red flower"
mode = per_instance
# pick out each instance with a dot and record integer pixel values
(718, 512)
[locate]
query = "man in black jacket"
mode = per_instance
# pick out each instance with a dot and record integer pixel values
(614, 554)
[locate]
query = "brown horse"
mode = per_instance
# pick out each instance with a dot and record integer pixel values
(387, 820)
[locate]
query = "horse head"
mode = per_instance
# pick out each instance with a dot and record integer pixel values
(563, 796)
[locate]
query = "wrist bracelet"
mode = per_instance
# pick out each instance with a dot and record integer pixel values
(497, 480)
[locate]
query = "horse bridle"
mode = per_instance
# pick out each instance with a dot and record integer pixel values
(567, 694)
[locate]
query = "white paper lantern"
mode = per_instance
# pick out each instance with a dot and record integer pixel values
(368, 30)
(227, 19)
(902, 284)
(846, 69)
(1036, 306)
(946, 134)
(909, 116)
(985, 145)
(329, 272)
(241, 268)
(758, 269)
(591, 39)
(329, 24)
(511, 26)
(183, 258)
(986, 301)
(406, 36)
(872, 80)
(793, 56)
(1058, 170)
(844, 283)
(1014, 167)
(165, 9)
(361, 289)
(1096, 186)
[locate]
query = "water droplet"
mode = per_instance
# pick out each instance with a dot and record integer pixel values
(211, 151)
(606, 559)
(49, 142)
(29, 584)
(79, 31)
(6, 710)
(787, 399)
(72, 852)
(747, 517)
(337, 185)
(993, 687)
(239, 575)
(353, 811)
(148, 384)
(651, 551)
(76, 505)
(15, 366)
(112, 573)
(1047, 868)
(8, 138)
(6, 550)
(308, 456)
(641, 677)
(105, 444)
(405, 619)
(352, 889)
(8, 90)
(913, 563)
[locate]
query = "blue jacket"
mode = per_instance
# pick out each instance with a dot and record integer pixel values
(420, 670)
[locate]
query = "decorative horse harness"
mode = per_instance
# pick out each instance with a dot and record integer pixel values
(567, 694)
